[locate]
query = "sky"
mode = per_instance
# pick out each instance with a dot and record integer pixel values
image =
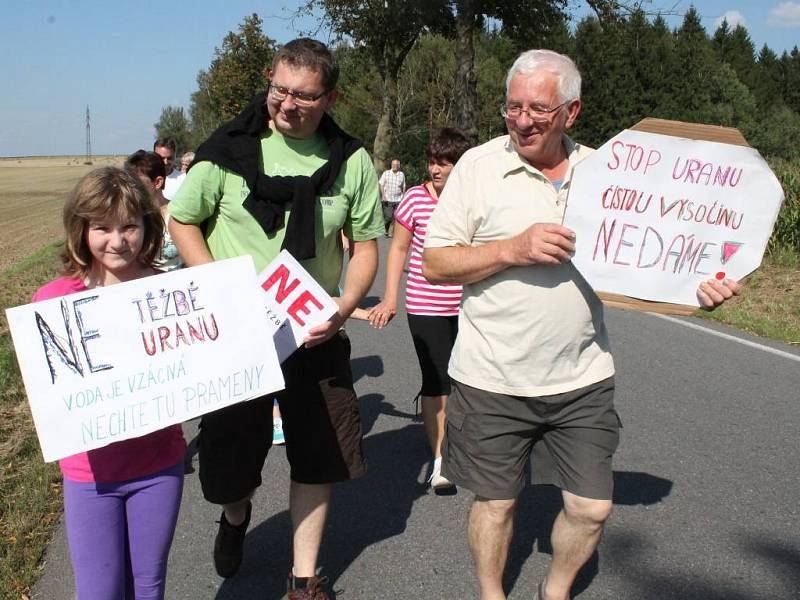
(127, 60)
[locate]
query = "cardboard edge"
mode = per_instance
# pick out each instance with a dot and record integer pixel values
(694, 131)
(628, 303)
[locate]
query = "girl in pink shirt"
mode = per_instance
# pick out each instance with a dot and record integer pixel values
(120, 501)
(432, 309)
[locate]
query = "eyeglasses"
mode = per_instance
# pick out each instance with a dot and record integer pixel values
(280, 93)
(534, 113)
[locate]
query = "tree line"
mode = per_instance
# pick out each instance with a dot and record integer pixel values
(410, 67)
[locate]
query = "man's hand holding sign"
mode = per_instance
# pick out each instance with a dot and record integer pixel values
(297, 306)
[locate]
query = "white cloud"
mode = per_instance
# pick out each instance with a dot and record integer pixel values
(786, 14)
(733, 17)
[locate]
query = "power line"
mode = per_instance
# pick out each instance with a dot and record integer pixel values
(88, 137)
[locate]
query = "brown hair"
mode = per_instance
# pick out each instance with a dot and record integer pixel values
(100, 194)
(165, 142)
(309, 54)
(146, 163)
(448, 144)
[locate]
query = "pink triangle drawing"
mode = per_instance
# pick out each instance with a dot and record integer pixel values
(728, 250)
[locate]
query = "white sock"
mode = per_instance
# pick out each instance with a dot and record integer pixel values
(437, 464)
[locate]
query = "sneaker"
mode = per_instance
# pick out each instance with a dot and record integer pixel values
(314, 588)
(228, 545)
(437, 481)
(277, 432)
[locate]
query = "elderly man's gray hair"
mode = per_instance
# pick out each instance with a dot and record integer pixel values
(531, 61)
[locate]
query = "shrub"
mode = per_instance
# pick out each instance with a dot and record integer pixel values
(786, 235)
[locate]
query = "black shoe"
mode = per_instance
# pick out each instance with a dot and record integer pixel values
(228, 544)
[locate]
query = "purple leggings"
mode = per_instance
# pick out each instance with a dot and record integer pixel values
(119, 534)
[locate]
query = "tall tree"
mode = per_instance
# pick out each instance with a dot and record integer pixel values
(695, 62)
(657, 66)
(722, 39)
(386, 30)
(732, 104)
(236, 73)
(494, 53)
(523, 21)
(173, 124)
(359, 102)
(735, 47)
(791, 87)
(768, 88)
(610, 100)
(466, 82)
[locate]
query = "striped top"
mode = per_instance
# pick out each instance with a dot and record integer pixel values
(423, 297)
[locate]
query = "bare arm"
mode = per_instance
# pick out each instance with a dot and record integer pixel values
(190, 242)
(381, 314)
(360, 275)
(539, 244)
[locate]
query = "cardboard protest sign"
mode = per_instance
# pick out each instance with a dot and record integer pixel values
(118, 362)
(655, 215)
(295, 303)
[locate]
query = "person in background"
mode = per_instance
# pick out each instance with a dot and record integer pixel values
(432, 309)
(185, 163)
(186, 160)
(166, 149)
(393, 186)
(121, 501)
(149, 167)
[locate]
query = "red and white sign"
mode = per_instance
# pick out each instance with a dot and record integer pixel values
(294, 301)
(655, 215)
(118, 362)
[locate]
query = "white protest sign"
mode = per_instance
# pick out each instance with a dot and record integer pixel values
(118, 362)
(655, 215)
(295, 303)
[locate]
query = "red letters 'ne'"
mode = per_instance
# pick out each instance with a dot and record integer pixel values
(281, 274)
(299, 305)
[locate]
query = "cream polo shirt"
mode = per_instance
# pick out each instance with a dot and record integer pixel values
(525, 331)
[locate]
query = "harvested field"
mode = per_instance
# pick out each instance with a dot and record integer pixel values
(32, 192)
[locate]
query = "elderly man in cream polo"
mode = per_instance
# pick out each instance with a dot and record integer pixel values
(531, 367)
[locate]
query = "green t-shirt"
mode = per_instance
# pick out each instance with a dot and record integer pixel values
(215, 195)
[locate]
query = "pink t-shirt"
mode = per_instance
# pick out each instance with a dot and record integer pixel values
(123, 460)
(422, 296)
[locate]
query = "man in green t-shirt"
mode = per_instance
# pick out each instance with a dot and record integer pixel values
(283, 175)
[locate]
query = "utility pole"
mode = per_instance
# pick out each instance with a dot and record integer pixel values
(88, 160)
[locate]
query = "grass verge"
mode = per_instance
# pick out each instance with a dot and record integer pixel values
(30, 490)
(770, 304)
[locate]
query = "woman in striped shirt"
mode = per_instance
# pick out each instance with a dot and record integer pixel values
(432, 309)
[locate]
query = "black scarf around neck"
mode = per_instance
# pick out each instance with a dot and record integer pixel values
(236, 146)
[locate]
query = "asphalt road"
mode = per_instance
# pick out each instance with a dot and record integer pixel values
(706, 498)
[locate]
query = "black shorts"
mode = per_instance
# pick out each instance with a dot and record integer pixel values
(388, 211)
(571, 437)
(321, 423)
(433, 337)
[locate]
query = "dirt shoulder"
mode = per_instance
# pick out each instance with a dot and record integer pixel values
(32, 193)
